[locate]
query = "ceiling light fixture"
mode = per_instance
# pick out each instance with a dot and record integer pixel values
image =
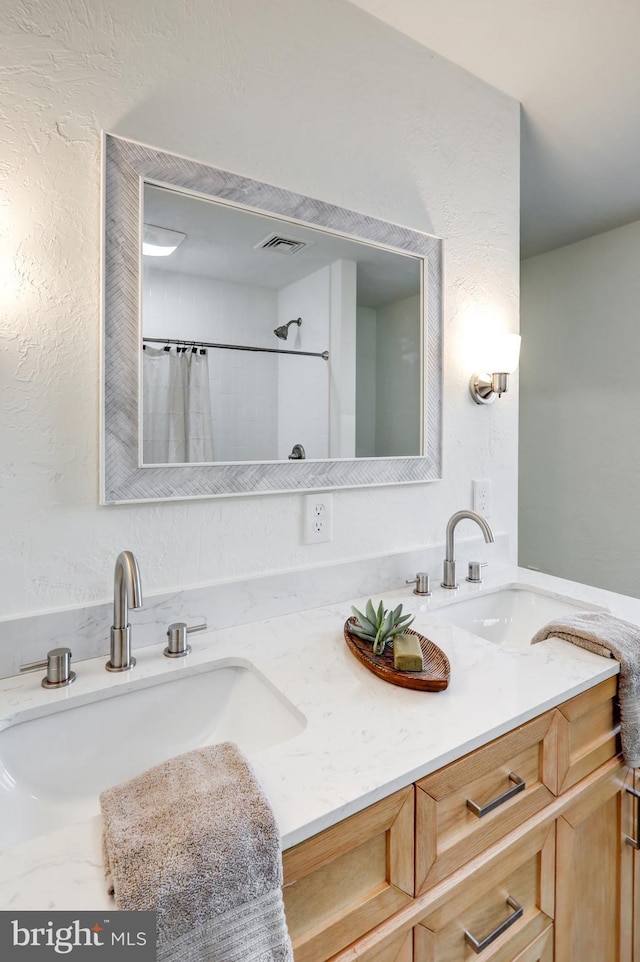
(160, 241)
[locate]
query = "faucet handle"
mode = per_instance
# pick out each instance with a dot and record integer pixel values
(177, 635)
(58, 665)
(422, 583)
(475, 571)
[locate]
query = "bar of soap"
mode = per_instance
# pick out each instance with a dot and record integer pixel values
(407, 653)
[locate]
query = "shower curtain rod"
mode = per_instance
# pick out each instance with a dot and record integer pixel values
(235, 347)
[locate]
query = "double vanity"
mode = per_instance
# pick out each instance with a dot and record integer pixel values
(350, 764)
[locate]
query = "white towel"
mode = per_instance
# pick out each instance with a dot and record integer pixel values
(605, 635)
(194, 840)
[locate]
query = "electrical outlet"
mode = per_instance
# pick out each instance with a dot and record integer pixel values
(482, 497)
(317, 518)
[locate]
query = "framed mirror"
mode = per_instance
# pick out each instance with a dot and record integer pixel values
(260, 341)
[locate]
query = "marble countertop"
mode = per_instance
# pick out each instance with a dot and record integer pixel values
(363, 738)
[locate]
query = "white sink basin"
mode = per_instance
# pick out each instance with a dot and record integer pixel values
(509, 616)
(52, 768)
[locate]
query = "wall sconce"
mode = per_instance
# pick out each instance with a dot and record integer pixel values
(502, 355)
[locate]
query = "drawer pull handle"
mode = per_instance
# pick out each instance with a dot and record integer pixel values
(635, 842)
(518, 786)
(477, 947)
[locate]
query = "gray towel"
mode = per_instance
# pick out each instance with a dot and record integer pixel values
(605, 635)
(194, 839)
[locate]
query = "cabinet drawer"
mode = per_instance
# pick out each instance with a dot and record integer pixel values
(448, 832)
(588, 730)
(396, 948)
(346, 880)
(478, 906)
(540, 950)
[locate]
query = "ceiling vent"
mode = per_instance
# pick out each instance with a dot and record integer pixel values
(280, 244)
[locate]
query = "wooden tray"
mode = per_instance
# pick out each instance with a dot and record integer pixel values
(435, 676)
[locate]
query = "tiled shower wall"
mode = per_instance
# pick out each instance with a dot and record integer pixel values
(242, 384)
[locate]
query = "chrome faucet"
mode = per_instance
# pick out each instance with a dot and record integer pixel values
(126, 591)
(449, 576)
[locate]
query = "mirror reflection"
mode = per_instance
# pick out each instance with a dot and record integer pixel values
(265, 339)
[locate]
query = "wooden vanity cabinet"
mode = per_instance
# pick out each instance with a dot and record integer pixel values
(598, 870)
(631, 823)
(396, 949)
(370, 890)
(588, 733)
(540, 950)
(595, 865)
(504, 906)
(464, 808)
(346, 880)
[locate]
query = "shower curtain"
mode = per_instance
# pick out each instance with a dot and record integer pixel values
(176, 411)
(198, 409)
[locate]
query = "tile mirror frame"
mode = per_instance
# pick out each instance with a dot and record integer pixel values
(127, 165)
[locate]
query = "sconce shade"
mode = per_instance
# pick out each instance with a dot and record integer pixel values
(505, 354)
(502, 355)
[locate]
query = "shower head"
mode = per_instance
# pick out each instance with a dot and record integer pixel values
(283, 331)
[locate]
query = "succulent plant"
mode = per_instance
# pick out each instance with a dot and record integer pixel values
(379, 625)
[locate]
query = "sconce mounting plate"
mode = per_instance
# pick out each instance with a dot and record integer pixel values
(481, 388)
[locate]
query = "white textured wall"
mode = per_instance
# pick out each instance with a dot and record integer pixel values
(311, 95)
(580, 398)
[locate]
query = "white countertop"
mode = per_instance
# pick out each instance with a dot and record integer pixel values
(363, 738)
